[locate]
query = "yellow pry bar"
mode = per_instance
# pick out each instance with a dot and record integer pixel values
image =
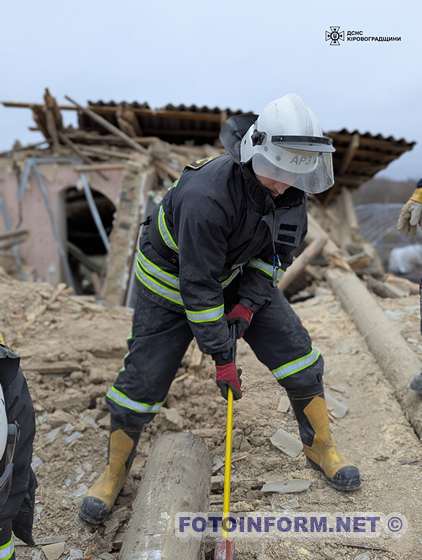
(228, 459)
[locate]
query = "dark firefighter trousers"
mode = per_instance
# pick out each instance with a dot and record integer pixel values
(160, 338)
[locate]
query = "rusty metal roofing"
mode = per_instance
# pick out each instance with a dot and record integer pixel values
(172, 123)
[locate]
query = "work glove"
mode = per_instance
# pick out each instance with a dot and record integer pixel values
(411, 214)
(241, 317)
(228, 375)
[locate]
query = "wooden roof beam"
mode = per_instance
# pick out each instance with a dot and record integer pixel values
(350, 153)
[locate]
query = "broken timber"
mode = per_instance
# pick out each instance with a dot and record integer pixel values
(136, 184)
(176, 479)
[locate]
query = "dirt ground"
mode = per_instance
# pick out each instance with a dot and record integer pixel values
(51, 328)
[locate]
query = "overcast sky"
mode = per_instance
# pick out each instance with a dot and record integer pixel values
(238, 54)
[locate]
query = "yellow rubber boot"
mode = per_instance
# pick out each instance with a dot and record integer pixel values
(319, 446)
(99, 501)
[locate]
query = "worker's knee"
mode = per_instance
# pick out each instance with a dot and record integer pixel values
(308, 381)
(127, 420)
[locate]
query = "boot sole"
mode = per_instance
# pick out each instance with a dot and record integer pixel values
(352, 485)
(93, 511)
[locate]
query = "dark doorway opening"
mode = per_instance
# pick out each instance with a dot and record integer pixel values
(85, 248)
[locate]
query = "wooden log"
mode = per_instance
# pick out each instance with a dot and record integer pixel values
(396, 359)
(410, 288)
(176, 479)
(349, 211)
(108, 126)
(350, 153)
(301, 262)
(382, 289)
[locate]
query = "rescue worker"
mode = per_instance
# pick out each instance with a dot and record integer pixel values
(409, 220)
(211, 254)
(411, 213)
(17, 430)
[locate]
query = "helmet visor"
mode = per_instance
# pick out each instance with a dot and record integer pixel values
(311, 172)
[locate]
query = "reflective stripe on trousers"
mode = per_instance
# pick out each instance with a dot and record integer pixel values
(7, 550)
(123, 400)
(297, 365)
(265, 268)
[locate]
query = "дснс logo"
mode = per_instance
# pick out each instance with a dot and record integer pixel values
(334, 35)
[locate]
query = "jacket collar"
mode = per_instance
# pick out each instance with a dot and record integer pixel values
(261, 196)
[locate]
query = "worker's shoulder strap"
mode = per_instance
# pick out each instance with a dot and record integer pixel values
(197, 164)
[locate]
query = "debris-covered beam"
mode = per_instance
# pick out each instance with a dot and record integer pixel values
(136, 183)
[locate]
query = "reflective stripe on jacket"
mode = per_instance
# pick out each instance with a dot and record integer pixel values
(216, 223)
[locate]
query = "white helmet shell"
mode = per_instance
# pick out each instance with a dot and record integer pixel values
(286, 144)
(3, 424)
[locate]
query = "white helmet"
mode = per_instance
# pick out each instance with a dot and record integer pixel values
(3, 425)
(286, 144)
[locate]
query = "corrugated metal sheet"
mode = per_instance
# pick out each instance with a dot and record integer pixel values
(358, 157)
(371, 154)
(172, 123)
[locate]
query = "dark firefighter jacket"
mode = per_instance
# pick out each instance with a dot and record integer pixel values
(19, 507)
(215, 223)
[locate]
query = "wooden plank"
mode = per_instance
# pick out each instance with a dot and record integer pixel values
(348, 156)
(108, 126)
